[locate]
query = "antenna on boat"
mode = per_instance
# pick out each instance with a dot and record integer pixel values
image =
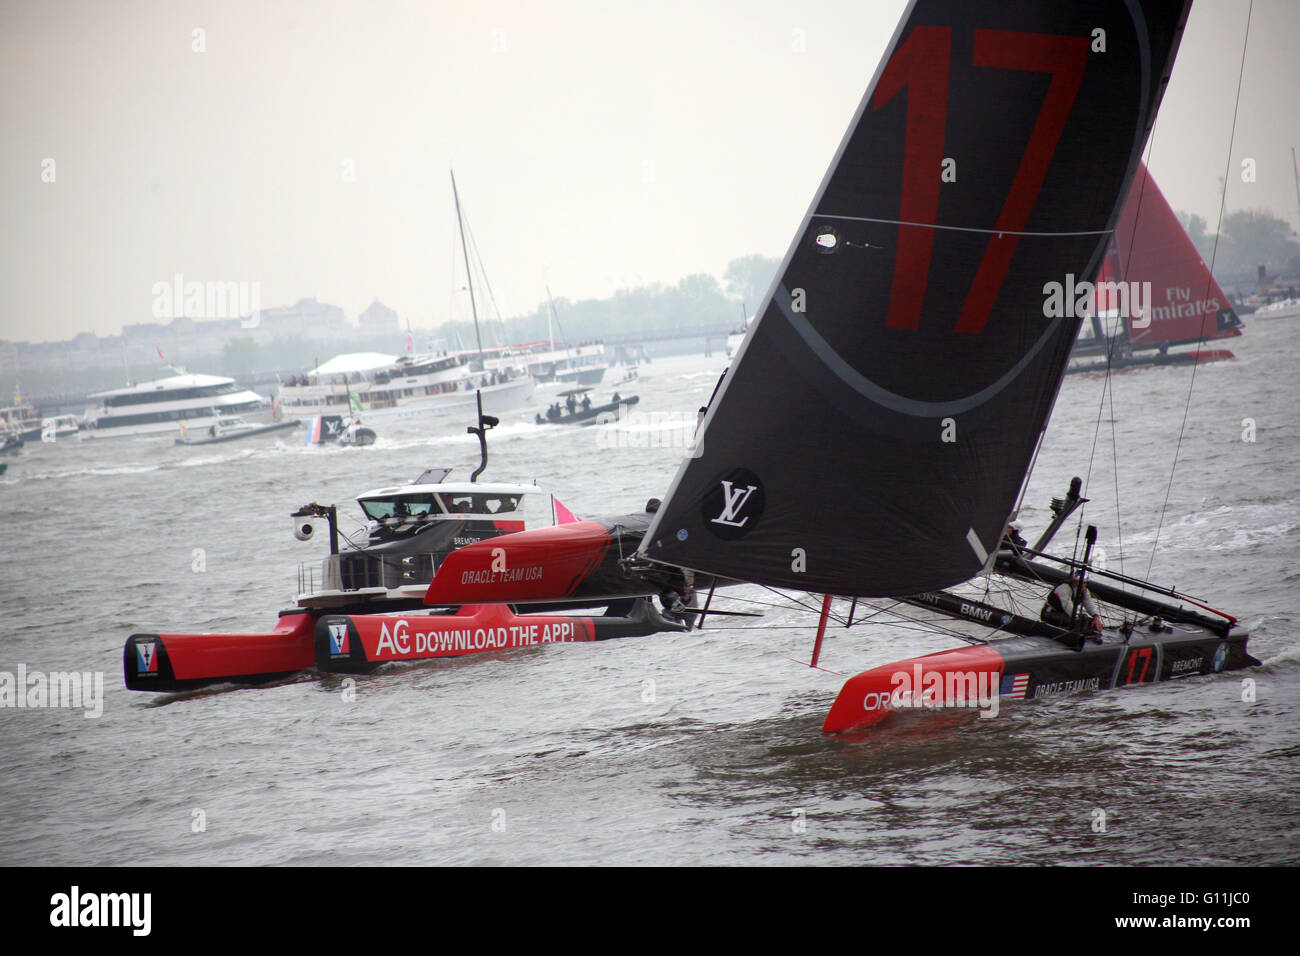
(469, 278)
(553, 312)
(484, 423)
(1080, 581)
(1295, 169)
(1062, 508)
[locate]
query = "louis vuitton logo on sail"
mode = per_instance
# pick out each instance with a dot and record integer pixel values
(733, 503)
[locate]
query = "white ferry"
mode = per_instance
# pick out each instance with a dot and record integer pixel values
(551, 362)
(386, 386)
(198, 401)
(544, 361)
(1283, 309)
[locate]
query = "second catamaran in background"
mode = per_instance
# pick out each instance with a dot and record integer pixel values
(1151, 251)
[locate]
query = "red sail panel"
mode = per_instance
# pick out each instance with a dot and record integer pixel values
(1185, 302)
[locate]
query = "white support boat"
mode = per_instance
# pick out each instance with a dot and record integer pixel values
(1283, 309)
(411, 528)
(231, 429)
(53, 428)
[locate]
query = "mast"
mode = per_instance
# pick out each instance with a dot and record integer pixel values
(469, 278)
(1296, 170)
(568, 357)
(550, 330)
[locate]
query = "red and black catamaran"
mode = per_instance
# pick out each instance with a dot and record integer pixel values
(875, 433)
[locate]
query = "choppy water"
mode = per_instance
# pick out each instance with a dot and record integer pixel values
(698, 748)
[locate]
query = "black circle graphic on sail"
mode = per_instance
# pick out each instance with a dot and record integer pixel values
(734, 505)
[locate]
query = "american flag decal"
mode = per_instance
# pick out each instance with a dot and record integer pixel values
(1014, 686)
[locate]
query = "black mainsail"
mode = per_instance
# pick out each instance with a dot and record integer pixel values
(874, 432)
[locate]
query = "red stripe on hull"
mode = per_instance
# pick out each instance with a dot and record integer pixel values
(544, 564)
(947, 678)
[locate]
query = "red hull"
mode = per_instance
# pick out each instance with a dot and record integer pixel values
(988, 676)
(871, 696)
(183, 661)
(360, 642)
(1211, 355)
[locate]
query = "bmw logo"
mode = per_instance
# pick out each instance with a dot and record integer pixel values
(682, 534)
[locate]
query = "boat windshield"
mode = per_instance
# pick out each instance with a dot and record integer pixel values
(399, 506)
(481, 503)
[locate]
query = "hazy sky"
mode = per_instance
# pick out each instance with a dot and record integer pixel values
(596, 144)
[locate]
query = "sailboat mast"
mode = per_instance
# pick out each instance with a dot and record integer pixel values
(550, 325)
(1296, 171)
(469, 278)
(568, 357)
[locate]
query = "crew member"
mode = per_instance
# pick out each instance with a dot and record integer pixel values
(1059, 608)
(1012, 537)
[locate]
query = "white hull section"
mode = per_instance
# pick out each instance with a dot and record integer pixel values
(1286, 309)
(172, 427)
(588, 375)
(496, 398)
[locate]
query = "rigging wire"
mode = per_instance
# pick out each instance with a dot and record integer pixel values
(1114, 452)
(1107, 387)
(1108, 391)
(1223, 200)
(913, 623)
(482, 270)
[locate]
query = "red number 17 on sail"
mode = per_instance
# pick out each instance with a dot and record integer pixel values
(921, 65)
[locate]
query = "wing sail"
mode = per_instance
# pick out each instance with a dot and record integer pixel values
(874, 432)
